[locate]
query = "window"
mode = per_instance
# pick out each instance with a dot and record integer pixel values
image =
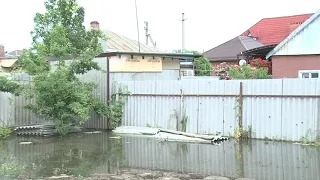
(187, 73)
(309, 74)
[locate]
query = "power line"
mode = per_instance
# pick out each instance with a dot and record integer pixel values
(135, 1)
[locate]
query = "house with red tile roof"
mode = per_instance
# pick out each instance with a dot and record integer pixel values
(298, 56)
(270, 31)
(263, 37)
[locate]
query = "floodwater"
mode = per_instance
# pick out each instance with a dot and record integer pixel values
(85, 154)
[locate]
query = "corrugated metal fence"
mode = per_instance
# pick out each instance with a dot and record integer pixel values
(12, 108)
(286, 109)
(256, 159)
(13, 112)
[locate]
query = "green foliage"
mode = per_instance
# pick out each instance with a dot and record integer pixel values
(184, 120)
(10, 167)
(118, 99)
(59, 94)
(202, 67)
(5, 132)
(247, 72)
(9, 86)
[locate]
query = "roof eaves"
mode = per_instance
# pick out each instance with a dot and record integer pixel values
(220, 45)
(177, 55)
(243, 44)
(294, 33)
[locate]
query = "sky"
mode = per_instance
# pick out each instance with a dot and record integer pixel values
(208, 22)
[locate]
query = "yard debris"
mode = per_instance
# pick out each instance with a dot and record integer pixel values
(92, 132)
(115, 137)
(169, 135)
(25, 143)
(44, 130)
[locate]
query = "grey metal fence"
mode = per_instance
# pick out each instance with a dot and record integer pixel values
(286, 109)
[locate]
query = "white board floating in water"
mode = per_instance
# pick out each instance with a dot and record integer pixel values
(136, 130)
(168, 135)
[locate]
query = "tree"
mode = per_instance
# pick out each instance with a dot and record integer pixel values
(202, 67)
(59, 94)
(9, 86)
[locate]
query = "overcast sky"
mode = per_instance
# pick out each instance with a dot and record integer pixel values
(209, 22)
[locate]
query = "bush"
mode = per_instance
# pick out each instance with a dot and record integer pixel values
(248, 72)
(5, 132)
(202, 67)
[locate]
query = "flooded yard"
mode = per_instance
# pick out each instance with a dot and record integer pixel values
(85, 154)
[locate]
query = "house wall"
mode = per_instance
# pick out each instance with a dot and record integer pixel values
(170, 64)
(4, 70)
(2, 52)
(167, 64)
(289, 66)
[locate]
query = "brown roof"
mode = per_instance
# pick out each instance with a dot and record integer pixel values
(117, 42)
(228, 51)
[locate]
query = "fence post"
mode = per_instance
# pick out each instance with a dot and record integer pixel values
(108, 92)
(179, 123)
(240, 105)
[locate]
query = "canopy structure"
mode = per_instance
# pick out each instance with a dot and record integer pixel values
(257, 52)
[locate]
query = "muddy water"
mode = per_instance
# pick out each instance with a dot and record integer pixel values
(85, 154)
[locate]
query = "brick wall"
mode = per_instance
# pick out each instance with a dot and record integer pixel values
(289, 66)
(229, 63)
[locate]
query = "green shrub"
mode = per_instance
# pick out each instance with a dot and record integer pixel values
(248, 72)
(5, 132)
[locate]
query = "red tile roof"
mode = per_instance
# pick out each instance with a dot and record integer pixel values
(270, 31)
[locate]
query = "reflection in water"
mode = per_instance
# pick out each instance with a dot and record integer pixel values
(86, 154)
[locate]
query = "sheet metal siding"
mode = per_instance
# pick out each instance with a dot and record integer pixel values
(180, 157)
(255, 160)
(305, 42)
(276, 118)
(23, 116)
(101, 79)
(6, 111)
(280, 161)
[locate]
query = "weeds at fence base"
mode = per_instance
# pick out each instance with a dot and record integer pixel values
(240, 133)
(5, 132)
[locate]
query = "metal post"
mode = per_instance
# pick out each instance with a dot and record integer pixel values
(108, 90)
(183, 41)
(181, 112)
(147, 32)
(240, 105)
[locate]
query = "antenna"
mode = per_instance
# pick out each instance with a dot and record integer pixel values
(135, 1)
(183, 41)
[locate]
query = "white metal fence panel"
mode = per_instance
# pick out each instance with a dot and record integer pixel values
(211, 116)
(286, 109)
(299, 114)
(263, 114)
(6, 110)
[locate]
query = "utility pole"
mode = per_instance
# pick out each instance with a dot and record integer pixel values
(146, 32)
(183, 42)
(148, 36)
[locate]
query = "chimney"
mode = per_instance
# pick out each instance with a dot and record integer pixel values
(94, 25)
(2, 53)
